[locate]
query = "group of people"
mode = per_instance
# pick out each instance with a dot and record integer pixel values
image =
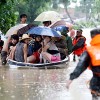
(35, 49)
(63, 46)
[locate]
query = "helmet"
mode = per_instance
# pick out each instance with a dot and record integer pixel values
(63, 29)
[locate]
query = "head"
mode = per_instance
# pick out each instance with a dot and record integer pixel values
(79, 32)
(47, 23)
(25, 38)
(38, 38)
(23, 18)
(95, 32)
(14, 39)
(60, 38)
(62, 29)
(47, 38)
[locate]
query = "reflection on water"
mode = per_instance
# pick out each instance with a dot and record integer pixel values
(35, 84)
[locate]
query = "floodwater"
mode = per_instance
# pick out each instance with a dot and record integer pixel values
(42, 84)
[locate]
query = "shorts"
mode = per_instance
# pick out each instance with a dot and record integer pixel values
(55, 58)
(37, 55)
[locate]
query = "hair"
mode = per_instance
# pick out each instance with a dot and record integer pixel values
(15, 37)
(38, 36)
(95, 32)
(45, 22)
(23, 15)
(80, 30)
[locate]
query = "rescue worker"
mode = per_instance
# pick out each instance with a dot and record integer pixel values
(91, 57)
(79, 45)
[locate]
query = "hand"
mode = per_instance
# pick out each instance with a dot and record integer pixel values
(68, 83)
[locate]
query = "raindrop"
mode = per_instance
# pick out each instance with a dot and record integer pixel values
(12, 96)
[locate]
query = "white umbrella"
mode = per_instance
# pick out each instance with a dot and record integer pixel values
(14, 29)
(49, 16)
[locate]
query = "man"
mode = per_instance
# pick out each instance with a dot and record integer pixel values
(79, 45)
(1, 44)
(91, 57)
(11, 42)
(23, 18)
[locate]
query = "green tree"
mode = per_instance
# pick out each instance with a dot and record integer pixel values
(32, 7)
(86, 6)
(65, 3)
(96, 9)
(7, 15)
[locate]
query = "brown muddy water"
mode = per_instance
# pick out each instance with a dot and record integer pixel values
(42, 84)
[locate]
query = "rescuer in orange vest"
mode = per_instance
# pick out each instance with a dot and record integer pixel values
(91, 57)
(79, 45)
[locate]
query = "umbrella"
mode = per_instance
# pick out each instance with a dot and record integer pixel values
(14, 29)
(49, 16)
(43, 31)
(61, 22)
(69, 25)
(23, 30)
(58, 23)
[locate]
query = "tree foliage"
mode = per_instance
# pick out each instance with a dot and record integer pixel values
(32, 7)
(7, 15)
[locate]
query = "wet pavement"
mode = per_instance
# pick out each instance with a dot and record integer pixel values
(42, 84)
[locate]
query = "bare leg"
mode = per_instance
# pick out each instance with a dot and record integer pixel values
(47, 56)
(31, 59)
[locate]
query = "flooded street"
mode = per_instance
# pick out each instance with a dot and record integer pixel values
(42, 84)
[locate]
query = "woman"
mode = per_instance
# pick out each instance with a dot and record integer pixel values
(50, 51)
(34, 58)
(19, 53)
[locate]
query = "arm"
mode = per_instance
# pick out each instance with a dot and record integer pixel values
(25, 52)
(44, 49)
(79, 44)
(69, 45)
(80, 68)
(12, 52)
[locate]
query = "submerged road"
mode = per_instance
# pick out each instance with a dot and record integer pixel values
(43, 84)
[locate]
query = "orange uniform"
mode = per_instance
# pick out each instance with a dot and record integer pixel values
(80, 50)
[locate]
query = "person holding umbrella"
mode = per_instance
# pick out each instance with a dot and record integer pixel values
(47, 23)
(90, 57)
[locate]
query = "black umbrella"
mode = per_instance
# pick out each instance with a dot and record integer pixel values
(23, 30)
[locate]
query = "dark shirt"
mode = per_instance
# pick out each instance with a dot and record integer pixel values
(36, 46)
(1, 43)
(69, 44)
(79, 44)
(33, 47)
